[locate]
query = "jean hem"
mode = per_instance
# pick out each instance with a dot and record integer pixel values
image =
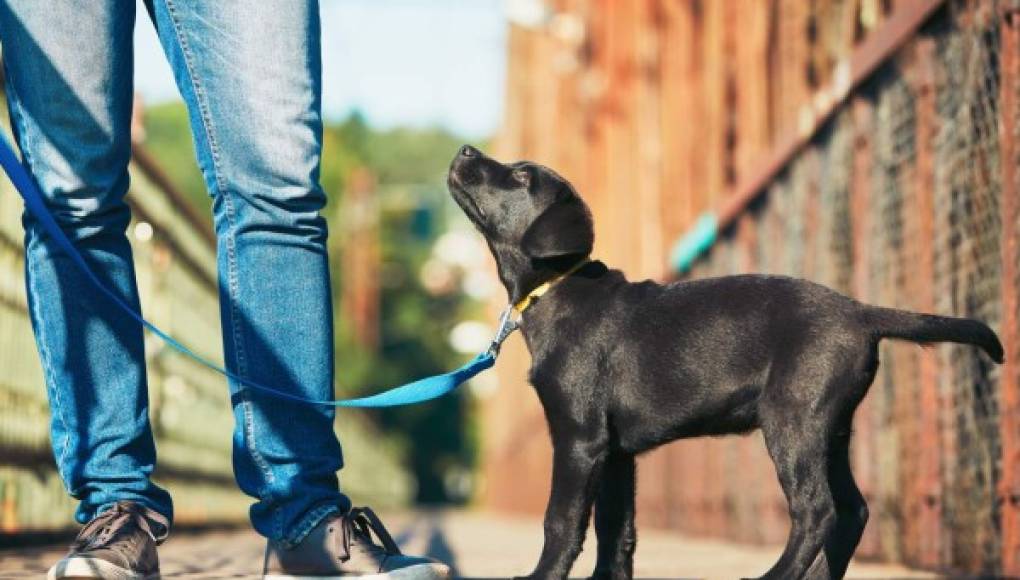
(307, 523)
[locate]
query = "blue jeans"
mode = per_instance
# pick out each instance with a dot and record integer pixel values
(250, 76)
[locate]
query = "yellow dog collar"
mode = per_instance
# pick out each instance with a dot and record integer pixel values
(508, 322)
(525, 302)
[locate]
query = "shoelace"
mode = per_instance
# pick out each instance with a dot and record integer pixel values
(102, 530)
(362, 522)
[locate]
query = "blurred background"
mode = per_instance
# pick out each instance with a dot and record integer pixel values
(870, 145)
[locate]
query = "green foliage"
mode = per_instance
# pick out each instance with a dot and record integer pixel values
(343, 150)
(410, 166)
(168, 137)
(410, 169)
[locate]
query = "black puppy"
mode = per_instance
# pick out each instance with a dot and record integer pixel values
(622, 367)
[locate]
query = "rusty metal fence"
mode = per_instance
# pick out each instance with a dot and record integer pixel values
(891, 175)
(900, 200)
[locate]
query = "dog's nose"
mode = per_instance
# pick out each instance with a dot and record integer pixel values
(468, 151)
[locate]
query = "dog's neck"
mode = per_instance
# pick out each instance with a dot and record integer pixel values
(521, 274)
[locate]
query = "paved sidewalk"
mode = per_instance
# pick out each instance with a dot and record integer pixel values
(477, 545)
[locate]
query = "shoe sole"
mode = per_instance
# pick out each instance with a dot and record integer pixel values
(90, 568)
(416, 572)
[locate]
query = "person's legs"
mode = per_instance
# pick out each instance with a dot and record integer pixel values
(69, 88)
(250, 75)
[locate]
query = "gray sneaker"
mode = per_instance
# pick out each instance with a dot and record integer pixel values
(118, 544)
(341, 546)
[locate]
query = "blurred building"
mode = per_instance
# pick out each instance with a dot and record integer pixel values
(870, 145)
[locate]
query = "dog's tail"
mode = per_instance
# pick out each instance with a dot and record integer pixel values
(924, 328)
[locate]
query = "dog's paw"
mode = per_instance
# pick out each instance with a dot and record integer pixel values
(543, 575)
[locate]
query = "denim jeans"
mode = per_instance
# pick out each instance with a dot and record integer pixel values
(250, 75)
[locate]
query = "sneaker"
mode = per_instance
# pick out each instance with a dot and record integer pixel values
(118, 544)
(341, 546)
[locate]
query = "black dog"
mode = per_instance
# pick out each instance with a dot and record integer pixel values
(622, 367)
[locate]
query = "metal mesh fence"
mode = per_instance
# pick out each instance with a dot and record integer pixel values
(967, 194)
(874, 150)
(900, 204)
(835, 227)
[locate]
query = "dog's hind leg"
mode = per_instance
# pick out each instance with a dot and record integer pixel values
(614, 518)
(851, 514)
(799, 450)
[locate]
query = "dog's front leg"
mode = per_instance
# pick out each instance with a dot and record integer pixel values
(577, 468)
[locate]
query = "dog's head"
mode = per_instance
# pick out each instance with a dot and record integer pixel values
(532, 218)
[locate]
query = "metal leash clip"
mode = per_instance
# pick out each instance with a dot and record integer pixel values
(507, 325)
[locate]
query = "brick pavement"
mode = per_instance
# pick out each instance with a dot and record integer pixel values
(477, 545)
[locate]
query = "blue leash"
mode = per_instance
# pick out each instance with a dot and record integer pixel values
(415, 392)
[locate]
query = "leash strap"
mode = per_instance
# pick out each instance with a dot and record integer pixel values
(415, 392)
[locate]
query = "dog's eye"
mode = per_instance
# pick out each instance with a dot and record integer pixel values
(522, 176)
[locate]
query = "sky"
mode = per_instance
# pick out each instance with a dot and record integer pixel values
(400, 62)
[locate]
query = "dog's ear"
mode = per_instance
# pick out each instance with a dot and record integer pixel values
(564, 229)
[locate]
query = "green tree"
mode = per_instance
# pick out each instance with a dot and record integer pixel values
(410, 169)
